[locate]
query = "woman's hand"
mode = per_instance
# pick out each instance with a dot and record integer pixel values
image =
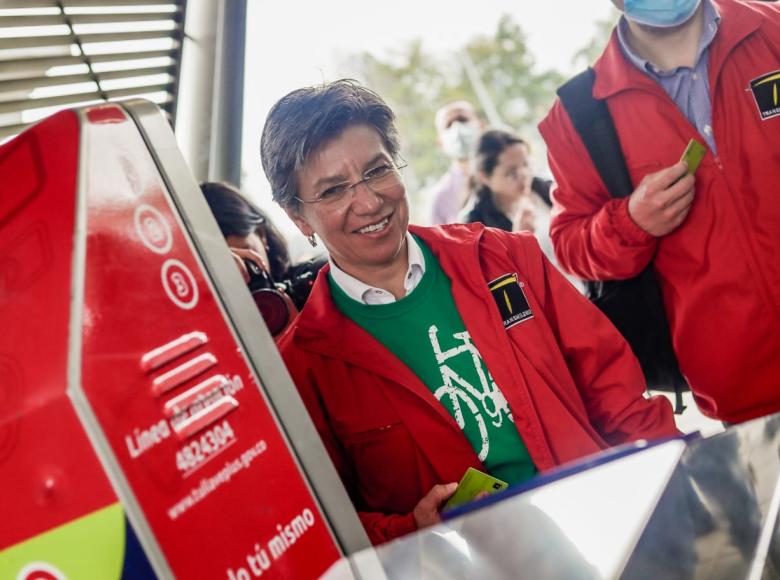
(525, 220)
(241, 254)
(275, 320)
(426, 512)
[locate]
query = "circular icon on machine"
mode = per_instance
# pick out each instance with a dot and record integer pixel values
(40, 571)
(179, 284)
(152, 228)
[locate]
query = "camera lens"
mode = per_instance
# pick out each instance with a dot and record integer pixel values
(273, 308)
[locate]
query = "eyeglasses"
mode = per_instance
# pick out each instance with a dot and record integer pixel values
(380, 179)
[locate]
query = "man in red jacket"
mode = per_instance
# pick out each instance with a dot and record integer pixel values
(422, 352)
(673, 71)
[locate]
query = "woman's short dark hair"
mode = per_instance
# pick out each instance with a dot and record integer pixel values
(492, 143)
(304, 120)
(237, 216)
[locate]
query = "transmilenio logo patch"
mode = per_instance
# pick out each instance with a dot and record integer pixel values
(766, 92)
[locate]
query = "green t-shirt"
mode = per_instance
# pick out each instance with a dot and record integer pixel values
(426, 332)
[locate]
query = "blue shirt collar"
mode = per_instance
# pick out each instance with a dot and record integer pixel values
(711, 24)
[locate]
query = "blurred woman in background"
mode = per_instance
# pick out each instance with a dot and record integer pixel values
(507, 196)
(503, 183)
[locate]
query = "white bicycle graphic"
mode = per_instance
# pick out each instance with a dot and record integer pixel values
(461, 392)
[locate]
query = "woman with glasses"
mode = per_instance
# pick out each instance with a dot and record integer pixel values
(425, 351)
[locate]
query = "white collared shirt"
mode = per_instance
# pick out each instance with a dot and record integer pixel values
(366, 294)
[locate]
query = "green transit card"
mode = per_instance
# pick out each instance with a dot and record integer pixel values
(693, 155)
(472, 484)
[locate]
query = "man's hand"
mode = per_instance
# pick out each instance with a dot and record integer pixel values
(426, 512)
(662, 200)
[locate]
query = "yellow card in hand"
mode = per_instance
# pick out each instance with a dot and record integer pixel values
(693, 155)
(471, 485)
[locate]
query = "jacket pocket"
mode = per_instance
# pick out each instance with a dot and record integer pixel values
(385, 465)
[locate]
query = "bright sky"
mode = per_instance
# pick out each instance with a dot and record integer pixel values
(293, 44)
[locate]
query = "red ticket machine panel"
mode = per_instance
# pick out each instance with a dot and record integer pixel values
(165, 385)
(59, 516)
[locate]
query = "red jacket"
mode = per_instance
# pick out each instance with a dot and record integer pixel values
(571, 381)
(720, 270)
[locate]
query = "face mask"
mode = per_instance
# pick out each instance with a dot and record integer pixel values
(661, 13)
(458, 139)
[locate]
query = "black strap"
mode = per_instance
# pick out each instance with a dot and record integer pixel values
(593, 122)
(591, 119)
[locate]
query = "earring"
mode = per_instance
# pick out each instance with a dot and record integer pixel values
(312, 240)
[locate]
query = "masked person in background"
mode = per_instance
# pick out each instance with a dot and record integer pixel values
(457, 128)
(676, 70)
(422, 352)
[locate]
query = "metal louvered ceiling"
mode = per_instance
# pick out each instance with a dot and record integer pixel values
(56, 54)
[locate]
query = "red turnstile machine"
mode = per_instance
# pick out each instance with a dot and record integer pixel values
(147, 424)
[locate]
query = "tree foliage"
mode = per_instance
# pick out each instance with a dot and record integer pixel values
(590, 52)
(415, 83)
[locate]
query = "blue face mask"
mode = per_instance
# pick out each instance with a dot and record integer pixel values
(661, 13)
